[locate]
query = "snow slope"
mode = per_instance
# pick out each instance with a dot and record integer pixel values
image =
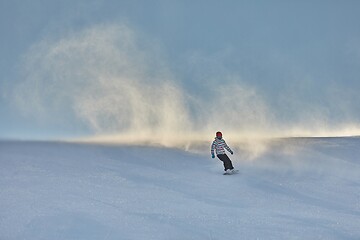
(298, 189)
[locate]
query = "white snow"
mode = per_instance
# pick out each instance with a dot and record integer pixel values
(298, 189)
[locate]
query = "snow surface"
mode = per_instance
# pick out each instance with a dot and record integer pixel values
(297, 189)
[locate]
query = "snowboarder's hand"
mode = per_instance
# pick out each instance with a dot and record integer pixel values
(212, 155)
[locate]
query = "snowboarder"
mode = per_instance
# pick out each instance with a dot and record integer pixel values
(220, 145)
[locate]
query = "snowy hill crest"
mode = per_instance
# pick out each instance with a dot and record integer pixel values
(298, 189)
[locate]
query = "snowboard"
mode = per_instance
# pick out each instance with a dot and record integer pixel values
(232, 173)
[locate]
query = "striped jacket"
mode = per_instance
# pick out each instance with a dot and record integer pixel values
(219, 145)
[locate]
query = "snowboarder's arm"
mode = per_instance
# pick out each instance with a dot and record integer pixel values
(228, 148)
(212, 148)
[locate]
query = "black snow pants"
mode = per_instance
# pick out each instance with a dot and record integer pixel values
(226, 160)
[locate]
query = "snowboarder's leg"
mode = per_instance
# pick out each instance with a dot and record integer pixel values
(228, 163)
(226, 160)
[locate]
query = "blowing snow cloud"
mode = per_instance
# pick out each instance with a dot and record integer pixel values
(116, 82)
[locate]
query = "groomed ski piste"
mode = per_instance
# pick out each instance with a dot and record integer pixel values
(299, 188)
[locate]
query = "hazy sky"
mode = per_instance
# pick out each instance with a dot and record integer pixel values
(266, 64)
